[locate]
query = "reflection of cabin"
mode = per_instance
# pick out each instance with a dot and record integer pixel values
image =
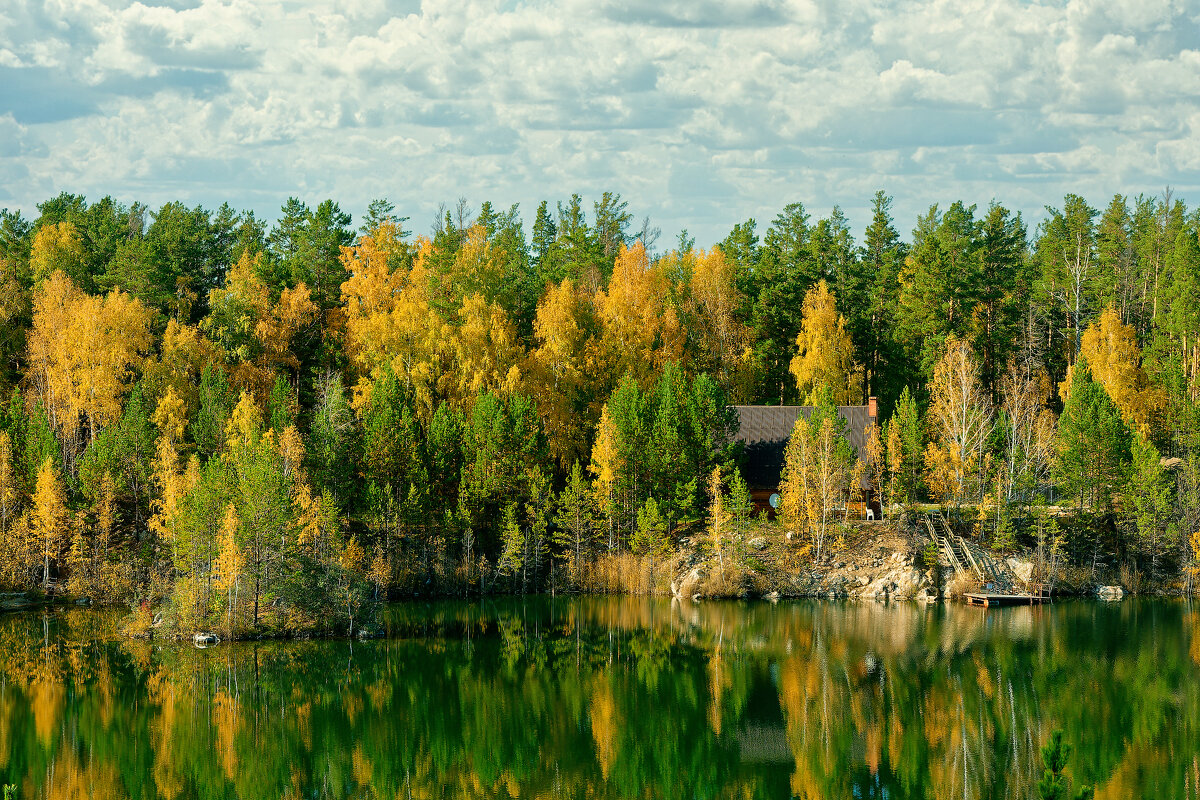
(764, 432)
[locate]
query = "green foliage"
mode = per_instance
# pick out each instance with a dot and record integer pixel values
(666, 442)
(333, 440)
(1093, 444)
(576, 528)
(650, 536)
(393, 455)
(1150, 490)
(1054, 784)
(281, 406)
(930, 558)
(907, 419)
(1005, 538)
(208, 427)
(740, 507)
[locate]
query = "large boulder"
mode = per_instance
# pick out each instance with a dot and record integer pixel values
(1021, 568)
(908, 582)
(879, 589)
(1110, 592)
(204, 639)
(927, 594)
(688, 584)
(757, 543)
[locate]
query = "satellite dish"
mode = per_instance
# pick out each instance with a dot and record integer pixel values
(773, 500)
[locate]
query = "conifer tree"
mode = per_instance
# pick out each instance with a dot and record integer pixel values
(1151, 494)
(575, 523)
(8, 482)
(907, 447)
(1093, 451)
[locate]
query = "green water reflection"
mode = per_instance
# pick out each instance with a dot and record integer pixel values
(613, 697)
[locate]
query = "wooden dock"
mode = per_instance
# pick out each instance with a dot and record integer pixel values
(987, 600)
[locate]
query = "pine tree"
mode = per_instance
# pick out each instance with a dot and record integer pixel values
(1151, 492)
(1093, 451)
(650, 537)
(908, 449)
(8, 482)
(575, 523)
(512, 544)
(881, 259)
(1054, 784)
(208, 430)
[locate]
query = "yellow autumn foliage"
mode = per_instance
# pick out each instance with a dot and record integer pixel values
(83, 351)
(1110, 348)
(824, 352)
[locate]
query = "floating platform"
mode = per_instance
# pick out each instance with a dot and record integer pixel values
(989, 600)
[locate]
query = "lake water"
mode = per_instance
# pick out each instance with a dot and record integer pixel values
(614, 698)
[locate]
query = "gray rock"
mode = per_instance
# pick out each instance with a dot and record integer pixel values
(757, 543)
(1110, 592)
(15, 602)
(1020, 567)
(204, 639)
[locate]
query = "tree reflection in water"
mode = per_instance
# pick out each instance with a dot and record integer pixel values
(613, 698)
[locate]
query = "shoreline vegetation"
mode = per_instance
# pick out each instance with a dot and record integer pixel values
(262, 430)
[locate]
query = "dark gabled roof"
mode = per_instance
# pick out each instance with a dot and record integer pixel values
(765, 430)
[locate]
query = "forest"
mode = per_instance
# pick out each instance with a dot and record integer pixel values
(262, 428)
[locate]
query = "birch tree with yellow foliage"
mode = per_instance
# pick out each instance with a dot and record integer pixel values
(83, 352)
(640, 329)
(1110, 348)
(960, 422)
(49, 517)
(718, 340)
(824, 357)
(818, 474)
(253, 333)
(559, 374)
(390, 320)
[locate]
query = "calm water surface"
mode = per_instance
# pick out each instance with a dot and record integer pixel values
(613, 698)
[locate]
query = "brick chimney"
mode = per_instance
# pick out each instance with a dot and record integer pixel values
(873, 408)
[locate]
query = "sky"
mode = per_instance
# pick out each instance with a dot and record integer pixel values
(700, 113)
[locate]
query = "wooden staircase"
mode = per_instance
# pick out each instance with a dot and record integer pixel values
(969, 558)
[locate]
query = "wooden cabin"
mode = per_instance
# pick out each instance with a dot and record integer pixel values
(764, 431)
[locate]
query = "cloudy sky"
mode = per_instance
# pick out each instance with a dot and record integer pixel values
(699, 112)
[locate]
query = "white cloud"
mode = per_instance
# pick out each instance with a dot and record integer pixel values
(700, 113)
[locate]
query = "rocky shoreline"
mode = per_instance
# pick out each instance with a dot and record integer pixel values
(880, 563)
